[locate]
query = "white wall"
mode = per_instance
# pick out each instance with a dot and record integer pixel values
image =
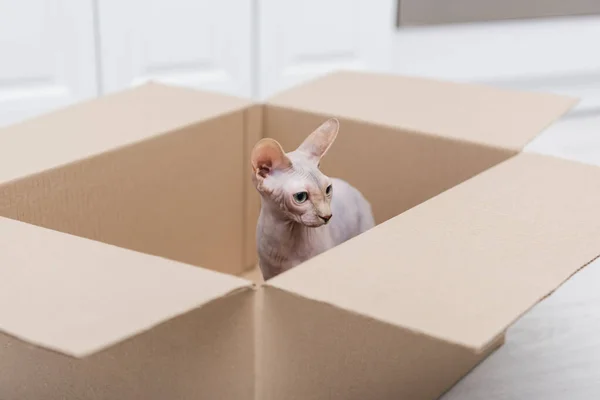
(300, 40)
(557, 55)
(197, 43)
(47, 56)
(56, 52)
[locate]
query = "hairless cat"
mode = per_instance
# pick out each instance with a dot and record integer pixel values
(303, 212)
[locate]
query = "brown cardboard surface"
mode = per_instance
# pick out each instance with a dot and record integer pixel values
(404, 310)
(104, 124)
(254, 131)
(464, 265)
(154, 169)
(254, 275)
(197, 355)
(393, 168)
(479, 114)
(78, 296)
(312, 350)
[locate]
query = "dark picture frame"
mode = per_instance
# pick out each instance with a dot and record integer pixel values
(444, 12)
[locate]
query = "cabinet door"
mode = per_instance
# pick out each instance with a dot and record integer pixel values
(300, 40)
(196, 43)
(47, 56)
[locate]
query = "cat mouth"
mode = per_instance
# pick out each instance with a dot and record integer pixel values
(313, 224)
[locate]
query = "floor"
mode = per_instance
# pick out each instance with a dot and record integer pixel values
(576, 139)
(552, 353)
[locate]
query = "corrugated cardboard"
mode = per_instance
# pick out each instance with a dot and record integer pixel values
(473, 113)
(456, 270)
(85, 320)
(410, 138)
(253, 126)
(472, 234)
(144, 169)
(315, 350)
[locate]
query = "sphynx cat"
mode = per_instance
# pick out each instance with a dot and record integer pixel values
(303, 212)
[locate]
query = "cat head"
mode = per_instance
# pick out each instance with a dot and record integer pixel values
(292, 182)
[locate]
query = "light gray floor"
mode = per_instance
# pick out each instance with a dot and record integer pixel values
(553, 352)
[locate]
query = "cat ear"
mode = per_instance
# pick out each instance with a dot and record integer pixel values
(318, 142)
(267, 156)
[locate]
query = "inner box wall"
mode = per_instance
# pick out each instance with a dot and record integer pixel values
(394, 169)
(178, 195)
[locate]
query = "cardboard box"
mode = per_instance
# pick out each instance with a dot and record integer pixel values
(126, 220)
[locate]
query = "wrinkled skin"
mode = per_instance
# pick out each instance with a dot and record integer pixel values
(303, 212)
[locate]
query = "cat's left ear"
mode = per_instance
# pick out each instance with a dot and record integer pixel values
(320, 140)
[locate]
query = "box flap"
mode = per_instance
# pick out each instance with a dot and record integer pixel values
(464, 265)
(485, 115)
(78, 296)
(127, 117)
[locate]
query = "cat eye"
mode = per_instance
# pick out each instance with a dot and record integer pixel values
(300, 197)
(328, 190)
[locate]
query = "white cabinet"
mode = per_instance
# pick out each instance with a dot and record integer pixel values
(47, 56)
(197, 43)
(57, 52)
(300, 40)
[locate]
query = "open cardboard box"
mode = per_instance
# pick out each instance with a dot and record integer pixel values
(472, 233)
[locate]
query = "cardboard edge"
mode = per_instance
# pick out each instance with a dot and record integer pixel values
(258, 341)
(512, 151)
(495, 345)
(73, 106)
(475, 357)
(198, 346)
(243, 101)
(275, 102)
(485, 345)
(489, 343)
(239, 267)
(268, 285)
(114, 342)
(253, 132)
(84, 156)
(574, 102)
(478, 348)
(238, 284)
(212, 92)
(346, 71)
(307, 82)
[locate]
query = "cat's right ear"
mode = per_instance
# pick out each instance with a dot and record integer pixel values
(268, 156)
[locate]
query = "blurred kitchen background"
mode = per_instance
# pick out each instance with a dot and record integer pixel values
(57, 52)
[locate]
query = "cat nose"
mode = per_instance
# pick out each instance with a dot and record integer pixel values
(325, 218)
